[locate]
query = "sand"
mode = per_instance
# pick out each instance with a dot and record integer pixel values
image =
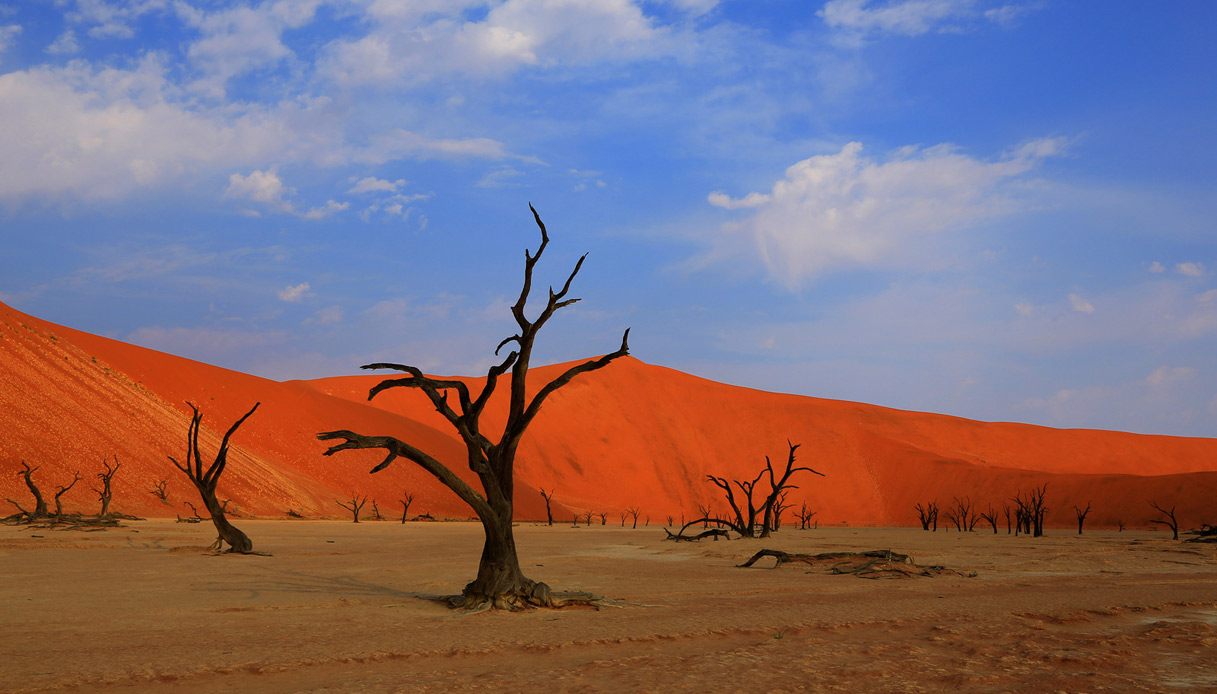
(341, 607)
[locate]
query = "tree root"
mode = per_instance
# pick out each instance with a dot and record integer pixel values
(537, 596)
(875, 564)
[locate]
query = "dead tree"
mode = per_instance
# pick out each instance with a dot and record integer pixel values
(549, 498)
(161, 491)
(40, 509)
(376, 511)
(205, 481)
(778, 509)
(962, 515)
(1031, 511)
(1006, 510)
(105, 494)
(1081, 513)
(990, 517)
(1170, 522)
(62, 490)
(704, 511)
(500, 582)
(193, 510)
(406, 500)
(746, 525)
(603, 518)
(633, 512)
(670, 520)
(928, 515)
(356, 504)
(804, 515)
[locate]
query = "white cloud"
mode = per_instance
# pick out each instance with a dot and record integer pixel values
(840, 210)
(64, 44)
(112, 19)
(371, 184)
(1080, 304)
(908, 18)
(912, 17)
(85, 133)
(1190, 269)
(417, 42)
(1169, 397)
(1156, 267)
(330, 315)
(1166, 375)
(329, 208)
(1024, 309)
(261, 186)
(8, 32)
(294, 294)
(500, 178)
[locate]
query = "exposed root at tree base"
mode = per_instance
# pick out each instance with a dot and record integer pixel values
(879, 563)
(538, 596)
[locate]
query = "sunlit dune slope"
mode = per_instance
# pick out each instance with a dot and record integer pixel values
(639, 435)
(629, 435)
(68, 399)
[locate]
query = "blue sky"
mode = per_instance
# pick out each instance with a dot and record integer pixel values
(997, 209)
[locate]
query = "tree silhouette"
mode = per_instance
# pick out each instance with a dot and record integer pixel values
(549, 498)
(356, 504)
(205, 481)
(500, 582)
(105, 494)
(1170, 522)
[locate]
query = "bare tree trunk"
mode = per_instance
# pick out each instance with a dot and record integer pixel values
(1170, 522)
(205, 482)
(549, 497)
(105, 494)
(61, 492)
(40, 508)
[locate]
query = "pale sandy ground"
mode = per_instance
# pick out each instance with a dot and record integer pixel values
(339, 608)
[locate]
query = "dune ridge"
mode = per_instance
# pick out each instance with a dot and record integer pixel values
(630, 435)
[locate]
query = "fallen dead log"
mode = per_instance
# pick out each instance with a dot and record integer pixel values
(713, 532)
(874, 564)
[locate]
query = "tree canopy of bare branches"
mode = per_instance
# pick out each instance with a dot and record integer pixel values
(500, 582)
(1170, 521)
(779, 483)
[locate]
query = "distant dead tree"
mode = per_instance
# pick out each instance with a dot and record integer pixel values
(1006, 510)
(704, 511)
(376, 511)
(990, 516)
(746, 525)
(1120, 526)
(500, 582)
(1031, 511)
(40, 508)
(670, 520)
(205, 481)
(623, 516)
(194, 510)
(355, 505)
(105, 494)
(1081, 514)
(1170, 522)
(161, 491)
(962, 515)
(804, 515)
(603, 518)
(633, 512)
(549, 498)
(928, 515)
(291, 513)
(62, 490)
(779, 507)
(406, 500)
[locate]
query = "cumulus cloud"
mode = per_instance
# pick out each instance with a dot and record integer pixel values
(1080, 304)
(1190, 269)
(844, 209)
(329, 208)
(294, 294)
(1156, 267)
(261, 186)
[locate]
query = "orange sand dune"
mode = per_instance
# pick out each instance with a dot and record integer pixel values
(629, 435)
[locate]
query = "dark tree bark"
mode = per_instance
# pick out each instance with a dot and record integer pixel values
(500, 582)
(1170, 522)
(778, 486)
(603, 518)
(406, 500)
(633, 512)
(746, 525)
(40, 508)
(376, 511)
(355, 505)
(549, 498)
(62, 490)
(205, 481)
(1081, 513)
(1031, 511)
(105, 494)
(804, 515)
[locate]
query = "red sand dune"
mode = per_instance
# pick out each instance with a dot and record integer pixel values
(631, 434)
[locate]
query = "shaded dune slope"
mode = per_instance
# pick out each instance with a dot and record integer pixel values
(631, 435)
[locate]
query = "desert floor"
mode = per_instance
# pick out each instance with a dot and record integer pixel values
(341, 607)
